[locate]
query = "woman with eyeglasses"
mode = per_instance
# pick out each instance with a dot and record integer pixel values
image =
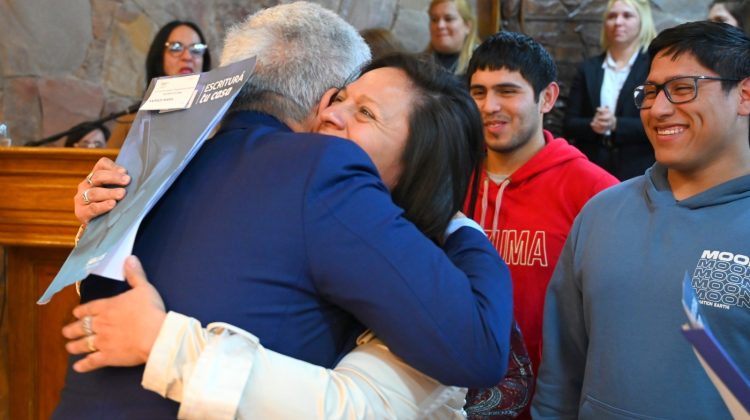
(601, 118)
(88, 135)
(178, 48)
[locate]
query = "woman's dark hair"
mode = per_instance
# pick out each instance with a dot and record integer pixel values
(739, 9)
(444, 147)
(80, 130)
(381, 41)
(155, 57)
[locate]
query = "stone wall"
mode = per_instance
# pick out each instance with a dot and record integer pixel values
(65, 62)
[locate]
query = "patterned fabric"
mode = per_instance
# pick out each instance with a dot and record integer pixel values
(512, 395)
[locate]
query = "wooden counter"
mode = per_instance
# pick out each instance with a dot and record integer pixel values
(37, 229)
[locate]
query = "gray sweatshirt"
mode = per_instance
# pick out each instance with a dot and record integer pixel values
(613, 312)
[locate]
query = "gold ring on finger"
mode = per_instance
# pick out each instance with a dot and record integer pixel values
(90, 343)
(85, 196)
(86, 323)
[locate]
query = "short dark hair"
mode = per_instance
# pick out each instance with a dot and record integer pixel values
(444, 147)
(155, 57)
(77, 132)
(514, 51)
(722, 48)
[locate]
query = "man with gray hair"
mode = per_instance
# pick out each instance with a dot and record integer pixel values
(299, 58)
(294, 237)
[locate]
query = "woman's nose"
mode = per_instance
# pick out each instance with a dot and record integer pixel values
(334, 117)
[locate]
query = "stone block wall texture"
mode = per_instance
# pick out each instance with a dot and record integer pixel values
(66, 62)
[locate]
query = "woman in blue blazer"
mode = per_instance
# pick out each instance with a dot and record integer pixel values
(601, 118)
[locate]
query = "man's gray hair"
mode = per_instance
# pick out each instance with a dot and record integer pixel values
(302, 50)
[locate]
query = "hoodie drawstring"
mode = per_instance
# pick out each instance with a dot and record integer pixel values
(484, 202)
(498, 203)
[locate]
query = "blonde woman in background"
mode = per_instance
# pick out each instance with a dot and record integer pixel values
(453, 34)
(601, 118)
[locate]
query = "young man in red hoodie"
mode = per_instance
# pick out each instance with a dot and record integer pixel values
(533, 185)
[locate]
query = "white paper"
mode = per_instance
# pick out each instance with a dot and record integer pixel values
(171, 93)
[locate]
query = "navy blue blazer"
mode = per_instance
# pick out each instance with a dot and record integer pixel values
(294, 238)
(628, 152)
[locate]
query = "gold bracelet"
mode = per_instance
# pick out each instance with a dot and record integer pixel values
(81, 229)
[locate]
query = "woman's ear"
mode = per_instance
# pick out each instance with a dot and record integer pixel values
(469, 26)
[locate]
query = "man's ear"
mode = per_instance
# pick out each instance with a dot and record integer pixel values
(743, 89)
(325, 100)
(548, 97)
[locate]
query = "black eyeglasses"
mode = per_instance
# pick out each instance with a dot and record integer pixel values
(678, 90)
(177, 47)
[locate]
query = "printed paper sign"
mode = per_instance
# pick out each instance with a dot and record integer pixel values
(171, 93)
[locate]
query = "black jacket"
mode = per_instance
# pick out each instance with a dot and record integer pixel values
(627, 152)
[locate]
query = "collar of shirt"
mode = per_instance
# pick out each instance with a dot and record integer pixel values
(613, 81)
(609, 62)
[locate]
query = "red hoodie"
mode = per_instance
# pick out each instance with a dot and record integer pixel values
(527, 217)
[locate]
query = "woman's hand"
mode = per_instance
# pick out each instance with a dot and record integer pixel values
(92, 198)
(118, 331)
(604, 121)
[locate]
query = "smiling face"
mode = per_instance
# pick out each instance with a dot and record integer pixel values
(511, 116)
(699, 135)
(448, 30)
(183, 62)
(374, 113)
(622, 24)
